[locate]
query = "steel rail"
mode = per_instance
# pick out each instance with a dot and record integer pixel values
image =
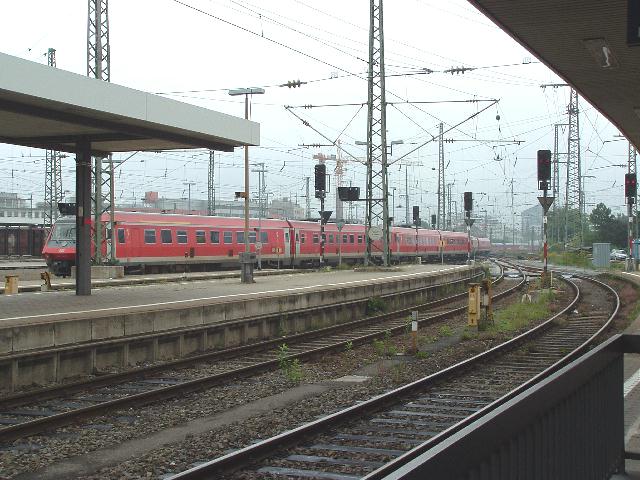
(12, 401)
(259, 450)
(53, 421)
(580, 350)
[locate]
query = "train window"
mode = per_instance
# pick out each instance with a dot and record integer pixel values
(149, 236)
(359, 238)
(345, 238)
(286, 236)
(181, 236)
(252, 237)
(264, 238)
(331, 238)
(297, 237)
(302, 237)
(121, 235)
(214, 237)
(316, 238)
(200, 237)
(352, 238)
(165, 236)
(240, 237)
(228, 237)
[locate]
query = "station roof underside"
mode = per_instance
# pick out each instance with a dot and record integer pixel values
(44, 107)
(569, 36)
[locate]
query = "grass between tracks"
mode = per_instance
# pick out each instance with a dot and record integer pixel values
(516, 316)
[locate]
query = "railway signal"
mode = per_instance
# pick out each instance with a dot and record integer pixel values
(630, 193)
(349, 194)
(468, 207)
(320, 174)
(320, 171)
(630, 187)
(544, 182)
(544, 169)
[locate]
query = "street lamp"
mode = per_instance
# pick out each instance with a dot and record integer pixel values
(246, 263)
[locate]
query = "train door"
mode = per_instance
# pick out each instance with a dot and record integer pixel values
(286, 246)
(295, 250)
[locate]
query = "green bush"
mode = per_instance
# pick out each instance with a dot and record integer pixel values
(376, 305)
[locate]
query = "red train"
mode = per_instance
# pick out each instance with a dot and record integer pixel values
(152, 242)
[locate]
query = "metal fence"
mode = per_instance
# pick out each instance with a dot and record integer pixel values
(569, 426)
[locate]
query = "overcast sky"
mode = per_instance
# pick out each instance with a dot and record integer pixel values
(195, 50)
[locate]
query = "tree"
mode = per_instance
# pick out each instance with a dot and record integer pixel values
(602, 220)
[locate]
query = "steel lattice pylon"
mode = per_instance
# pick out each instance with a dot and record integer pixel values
(574, 200)
(211, 186)
(98, 66)
(53, 172)
(441, 185)
(377, 211)
(556, 234)
(98, 55)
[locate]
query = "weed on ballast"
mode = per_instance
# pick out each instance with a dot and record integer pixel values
(291, 367)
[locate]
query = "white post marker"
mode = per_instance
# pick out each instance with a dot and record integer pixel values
(414, 330)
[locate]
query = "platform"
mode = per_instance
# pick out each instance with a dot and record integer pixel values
(632, 397)
(39, 307)
(55, 335)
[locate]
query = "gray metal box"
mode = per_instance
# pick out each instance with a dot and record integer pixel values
(601, 254)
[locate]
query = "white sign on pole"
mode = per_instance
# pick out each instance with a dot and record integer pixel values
(375, 233)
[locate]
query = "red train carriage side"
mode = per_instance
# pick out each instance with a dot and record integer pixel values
(152, 241)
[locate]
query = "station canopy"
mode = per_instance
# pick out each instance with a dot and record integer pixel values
(594, 45)
(45, 107)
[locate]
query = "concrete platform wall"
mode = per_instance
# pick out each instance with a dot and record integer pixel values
(50, 351)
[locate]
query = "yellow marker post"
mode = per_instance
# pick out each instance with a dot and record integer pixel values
(474, 304)
(11, 284)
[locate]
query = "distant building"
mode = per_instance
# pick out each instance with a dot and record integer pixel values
(531, 221)
(15, 210)
(278, 208)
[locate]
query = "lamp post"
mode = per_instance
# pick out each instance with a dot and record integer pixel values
(189, 184)
(393, 204)
(246, 262)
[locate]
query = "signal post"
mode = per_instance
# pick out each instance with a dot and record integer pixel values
(544, 182)
(630, 192)
(468, 207)
(320, 172)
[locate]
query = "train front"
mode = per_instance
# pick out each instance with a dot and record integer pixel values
(60, 249)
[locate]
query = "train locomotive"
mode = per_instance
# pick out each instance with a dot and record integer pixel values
(155, 242)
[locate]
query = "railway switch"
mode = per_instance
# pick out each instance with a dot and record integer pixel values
(474, 304)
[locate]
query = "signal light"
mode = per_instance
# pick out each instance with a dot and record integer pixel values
(630, 185)
(416, 213)
(544, 169)
(468, 201)
(349, 194)
(433, 221)
(320, 171)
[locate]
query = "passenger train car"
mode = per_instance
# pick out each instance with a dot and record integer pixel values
(151, 242)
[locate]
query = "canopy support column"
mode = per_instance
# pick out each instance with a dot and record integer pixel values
(83, 216)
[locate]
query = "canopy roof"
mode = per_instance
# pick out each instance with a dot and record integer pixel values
(44, 107)
(589, 43)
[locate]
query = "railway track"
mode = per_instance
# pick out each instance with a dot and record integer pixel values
(375, 437)
(21, 415)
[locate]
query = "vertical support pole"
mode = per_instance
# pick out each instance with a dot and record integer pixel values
(545, 247)
(83, 217)
(630, 264)
(322, 230)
